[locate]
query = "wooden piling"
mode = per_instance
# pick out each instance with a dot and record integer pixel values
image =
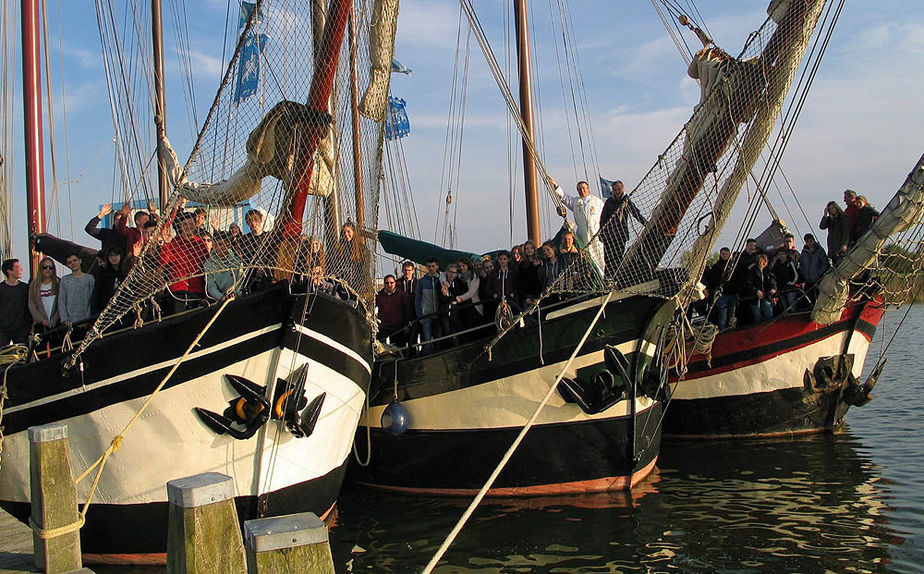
(56, 530)
(204, 535)
(292, 544)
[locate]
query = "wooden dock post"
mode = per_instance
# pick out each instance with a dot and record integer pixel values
(292, 544)
(56, 530)
(204, 535)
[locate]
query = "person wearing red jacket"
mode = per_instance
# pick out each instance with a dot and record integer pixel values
(183, 258)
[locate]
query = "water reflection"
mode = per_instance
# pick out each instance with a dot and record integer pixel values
(808, 505)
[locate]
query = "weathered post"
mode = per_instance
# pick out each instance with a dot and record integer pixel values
(56, 530)
(289, 544)
(204, 535)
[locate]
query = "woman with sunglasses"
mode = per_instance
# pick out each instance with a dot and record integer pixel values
(43, 297)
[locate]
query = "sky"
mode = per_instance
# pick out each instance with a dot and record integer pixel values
(860, 127)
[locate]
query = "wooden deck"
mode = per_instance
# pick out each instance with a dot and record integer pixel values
(15, 545)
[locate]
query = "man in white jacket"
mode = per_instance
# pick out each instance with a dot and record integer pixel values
(587, 209)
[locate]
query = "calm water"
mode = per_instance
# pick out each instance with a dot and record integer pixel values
(850, 502)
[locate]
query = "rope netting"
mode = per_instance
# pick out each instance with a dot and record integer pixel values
(666, 227)
(282, 183)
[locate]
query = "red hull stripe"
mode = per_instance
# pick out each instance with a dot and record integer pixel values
(737, 349)
(609, 484)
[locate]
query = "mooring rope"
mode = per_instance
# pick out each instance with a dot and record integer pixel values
(47, 533)
(116, 442)
(516, 443)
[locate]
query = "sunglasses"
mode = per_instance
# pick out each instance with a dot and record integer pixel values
(48, 266)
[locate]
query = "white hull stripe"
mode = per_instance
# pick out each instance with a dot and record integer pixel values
(335, 345)
(143, 371)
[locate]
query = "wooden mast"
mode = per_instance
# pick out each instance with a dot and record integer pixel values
(318, 99)
(32, 108)
(160, 102)
(526, 112)
(357, 147)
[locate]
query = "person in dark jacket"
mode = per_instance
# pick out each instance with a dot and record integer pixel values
(813, 263)
(838, 226)
(107, 237)
(851, 210)
(451, 288)
(392, 313)
(786, 276)
(109, 276)
(761, 286)
(426, 304)
(502, 282)
(865, 218)
(614, 223)
(721, 294)
(529, 286)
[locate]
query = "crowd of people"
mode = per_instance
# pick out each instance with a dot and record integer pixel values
(198, 262)
(467, 293)
(752, 286)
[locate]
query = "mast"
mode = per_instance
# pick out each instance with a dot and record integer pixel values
(160, 102)
(318, 99)
(332, 211)
(354, 107)
(526, 112)
(32, 107)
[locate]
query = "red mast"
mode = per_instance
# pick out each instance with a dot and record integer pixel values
(321, 86)
(32, 107)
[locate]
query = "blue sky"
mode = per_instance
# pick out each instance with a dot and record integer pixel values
(860, 127)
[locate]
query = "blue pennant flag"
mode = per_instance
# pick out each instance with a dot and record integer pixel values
(248, 67)
(607, 186)
(399, 68)
(397, 124)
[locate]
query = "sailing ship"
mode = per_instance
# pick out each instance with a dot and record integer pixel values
(265, 384)
(465, 405)
(801, 372)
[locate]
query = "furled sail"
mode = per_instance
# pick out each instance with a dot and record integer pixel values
(270, 152)
(703, 156)
(382, 50)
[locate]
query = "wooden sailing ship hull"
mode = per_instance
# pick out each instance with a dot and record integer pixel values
(762, 381)
(465, 410)
(262, 337)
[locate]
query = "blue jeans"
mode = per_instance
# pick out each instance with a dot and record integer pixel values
(762, 310)
(788, 298)
(725, 307)
(429, 330)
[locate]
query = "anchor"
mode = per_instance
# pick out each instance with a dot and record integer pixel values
(290, 405)
(604, 389)
(250, 409)
(857, 394)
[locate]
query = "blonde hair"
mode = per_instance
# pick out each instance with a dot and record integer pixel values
(35, 286)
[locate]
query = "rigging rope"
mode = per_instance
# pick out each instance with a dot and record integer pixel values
(516, 443)
(505, 91)
(116, 442)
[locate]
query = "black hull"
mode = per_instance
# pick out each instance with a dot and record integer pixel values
(576, 452)
(782, 413)
(129, 364)
(587, 456)
(765, 385)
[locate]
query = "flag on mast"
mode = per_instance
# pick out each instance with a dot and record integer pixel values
(248, 68)
(399, 68)
(397, 124)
